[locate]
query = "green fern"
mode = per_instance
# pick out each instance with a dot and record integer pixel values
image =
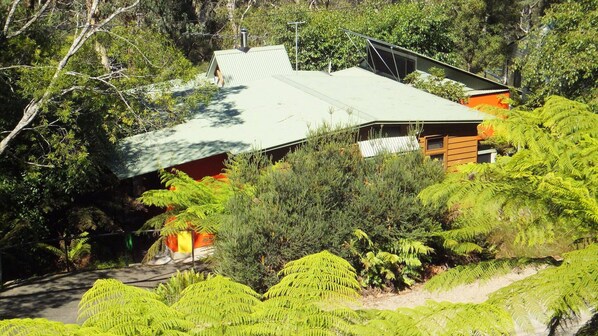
(484, 270)
(444, 318)
(43, 327)
(310, 298)
(114, 307)
(380, 268)
(437, 318)
(170, 291)
(217, 305)
(546, 190)
(315, 278)
(190, 205)
(78, 249)
(554, 294)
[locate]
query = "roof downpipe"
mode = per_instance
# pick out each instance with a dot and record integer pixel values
(244, 38)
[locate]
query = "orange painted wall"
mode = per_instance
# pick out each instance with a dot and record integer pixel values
(494, 99)
(199, 169)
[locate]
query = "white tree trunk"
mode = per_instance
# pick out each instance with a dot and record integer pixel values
(33, 108)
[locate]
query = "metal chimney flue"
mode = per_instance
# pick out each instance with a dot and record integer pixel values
(244, 39)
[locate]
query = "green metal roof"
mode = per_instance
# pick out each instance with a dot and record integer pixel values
(239, 67)
(279, 110)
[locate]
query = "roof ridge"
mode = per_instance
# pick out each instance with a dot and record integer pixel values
(321, 96)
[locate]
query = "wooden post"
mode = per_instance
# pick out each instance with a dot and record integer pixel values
(1, 282)
(192, 250)
(66, 254)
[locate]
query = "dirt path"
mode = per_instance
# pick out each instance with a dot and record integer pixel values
(477, 292)
(473, 293)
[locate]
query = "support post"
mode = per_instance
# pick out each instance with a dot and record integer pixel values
(296, 23)
(193, 249)
(1, 281)
(66, 254)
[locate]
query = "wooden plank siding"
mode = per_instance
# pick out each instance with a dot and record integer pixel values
(458, 149)
(461, 149)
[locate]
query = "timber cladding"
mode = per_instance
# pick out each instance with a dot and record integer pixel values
(451, 145)
(461, 149)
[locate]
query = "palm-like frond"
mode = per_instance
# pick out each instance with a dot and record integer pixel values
(484, 270)
(554, 293)
(217, 304)
(317, 277)
(546, 189)
(445, 318)
(43, 327)
(114, 307)
(171, 291)
(190, 204)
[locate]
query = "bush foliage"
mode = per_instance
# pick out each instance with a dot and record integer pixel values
(314, 199)
(313, 299)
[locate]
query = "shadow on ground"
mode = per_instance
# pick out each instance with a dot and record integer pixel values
(56, 297)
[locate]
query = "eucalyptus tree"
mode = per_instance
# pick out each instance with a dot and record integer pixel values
(74, 78)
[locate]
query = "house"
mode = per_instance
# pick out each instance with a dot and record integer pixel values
(396, 62)
(264, 104)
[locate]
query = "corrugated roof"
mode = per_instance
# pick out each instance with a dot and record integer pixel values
(240, 68)
(468, 91)
(454, 71)
(378, 146)
(277, 111)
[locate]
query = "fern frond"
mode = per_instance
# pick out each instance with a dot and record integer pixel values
(554, 293)
(52, 249)
(154, 249)
(317, 277)
(216, 303)
(484, 270)
(291, 316)
(445, 318)
(43, 327)
(547, 189)
(114, 307)
(386, 323)
(170, 291)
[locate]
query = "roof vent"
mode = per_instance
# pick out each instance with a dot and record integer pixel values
(244, 38)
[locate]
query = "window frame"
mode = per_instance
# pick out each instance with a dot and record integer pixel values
(437, 151)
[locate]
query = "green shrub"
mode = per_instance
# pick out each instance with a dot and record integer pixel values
(314, 199)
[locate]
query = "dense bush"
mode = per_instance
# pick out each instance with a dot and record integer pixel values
(314, 199)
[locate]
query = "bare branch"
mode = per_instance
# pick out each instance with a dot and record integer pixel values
(11, 13)
(41, 165)
(247, 9)
(119, 92)
(131, 44)
(33, 108)
(29, 23)
(18, 66)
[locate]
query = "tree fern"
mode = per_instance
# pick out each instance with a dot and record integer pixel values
(317, 277)
(444, 318)
(170, 291)
(217, 305)
(546, 190)
(554, 294)
(189, 204)
(438, 318)
(310, 299)
(78, 249)
(114, 307)
(43, 327)
(484, 270)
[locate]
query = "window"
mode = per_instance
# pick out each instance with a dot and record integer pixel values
(434, 143)
(435, 146)
(487, 155)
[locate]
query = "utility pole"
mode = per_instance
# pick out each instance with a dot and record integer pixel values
(296, 23)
